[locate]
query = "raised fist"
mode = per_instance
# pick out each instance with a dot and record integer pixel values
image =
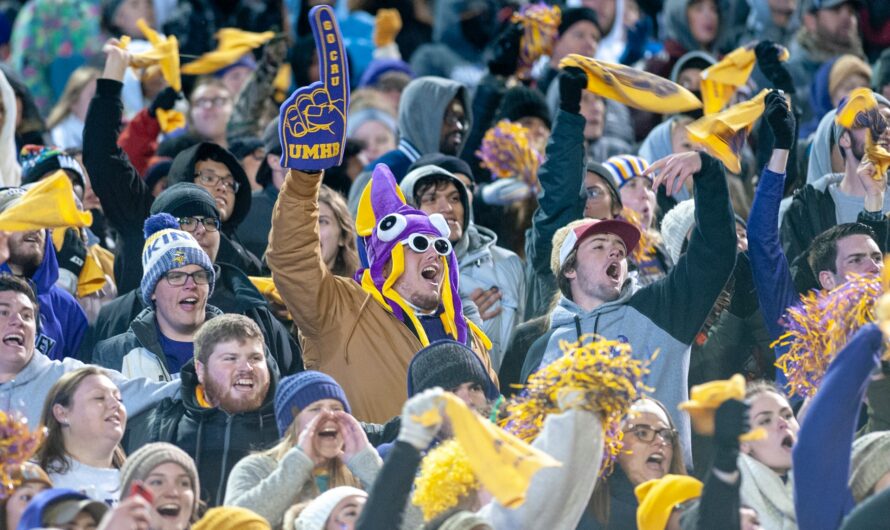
(313, 119)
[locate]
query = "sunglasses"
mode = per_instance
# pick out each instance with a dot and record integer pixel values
(421, 243)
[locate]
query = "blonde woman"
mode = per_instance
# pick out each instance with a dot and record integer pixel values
(336, 230)
(322, 447)
(66, 120)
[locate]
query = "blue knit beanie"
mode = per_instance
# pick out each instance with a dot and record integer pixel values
(301, 390)
(167, 247)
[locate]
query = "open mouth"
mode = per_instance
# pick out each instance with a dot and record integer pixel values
(430, 273)
(244, 384)
(189, 303)
(329, 431)
(14, 339)
(169, 510)
(613, 271)
(114, 418)
(655, 461)
(31, 237)
(788, 442)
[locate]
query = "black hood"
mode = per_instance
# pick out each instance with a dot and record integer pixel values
(183, 170)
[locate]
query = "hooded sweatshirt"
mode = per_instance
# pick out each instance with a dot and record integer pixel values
(63, 322)
(484, 265)
(10, 170)
(678, 39)
(421, 112)
(664, 316)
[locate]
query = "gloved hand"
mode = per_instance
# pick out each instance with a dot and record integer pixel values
(730, 422)
(411, 431)
(73, 253)
(572, 81)
(767, 53)
(505, 51)
(387, 25)
(780, 120)
(165, 99)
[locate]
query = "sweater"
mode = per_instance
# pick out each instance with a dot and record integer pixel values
(270, 487)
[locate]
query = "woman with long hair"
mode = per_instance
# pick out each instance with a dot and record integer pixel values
(765, 465)
(336, 230)
(85, 421)
(322, 447)
(651, 450)
(66, 120)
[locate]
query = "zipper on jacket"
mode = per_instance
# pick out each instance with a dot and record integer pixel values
(225, 459)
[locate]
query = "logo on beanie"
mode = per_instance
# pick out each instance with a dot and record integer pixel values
(179, 258)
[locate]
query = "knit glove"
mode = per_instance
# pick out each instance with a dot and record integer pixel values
(505, 51)
(165, 99)
(387, 25)
(411, 431)
(730, 422)
(780, 120)
(767, 54)
(73, 252)
(572, 81)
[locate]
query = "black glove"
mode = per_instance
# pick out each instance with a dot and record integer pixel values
(730, 422)
(505, 51)
(572, 81)
(780, 120)
(165, 99)
(767, 54)
(73, 253)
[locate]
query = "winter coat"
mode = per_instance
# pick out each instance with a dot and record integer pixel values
(665, 316)
(233, 293)
(138, 352)
(622, 506)
(254, 231)
(344, 332)
(63, 323)
(30, 387)
(125, 198)
(139, 140)
(215, 439)
(270, 487)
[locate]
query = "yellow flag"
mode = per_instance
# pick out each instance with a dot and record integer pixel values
(92, 276)
(723, 134)
(164, 53)
(720, 81)
(503, 463)
(170, 120)
(267, 287)
(49, 204)
(859, 110)
(632, 87)
(233, 44)
(706, 398)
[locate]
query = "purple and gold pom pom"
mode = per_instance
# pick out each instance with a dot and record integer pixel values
(608, 378)
(541, 25)
(507, 152)
(17, 445)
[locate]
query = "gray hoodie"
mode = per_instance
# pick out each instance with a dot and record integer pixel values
(30, 387)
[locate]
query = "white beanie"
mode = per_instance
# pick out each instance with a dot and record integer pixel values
(676, 225)
(316, 514)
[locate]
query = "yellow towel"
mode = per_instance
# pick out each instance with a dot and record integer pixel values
(92, 275)
(706, 398)
(859, 110)
(170, 120)
(723, 134)
(232, 44)
(632, 87)
(164, 52)
(49, 204)
(720, 81)
(503, 463)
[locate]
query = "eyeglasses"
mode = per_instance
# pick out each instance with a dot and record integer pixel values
(190, 224)
(646, 434)
(210, 179)
(420, 243)
(179, 278)
(206, 103)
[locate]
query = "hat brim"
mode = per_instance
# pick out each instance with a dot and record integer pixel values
(628, 233)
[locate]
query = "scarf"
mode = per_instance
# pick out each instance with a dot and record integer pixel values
(763, 490)
(821, 49)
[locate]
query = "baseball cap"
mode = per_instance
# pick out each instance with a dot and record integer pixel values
(626, 231)
(63, 512)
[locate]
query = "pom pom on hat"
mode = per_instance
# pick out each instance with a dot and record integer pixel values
(158, 222)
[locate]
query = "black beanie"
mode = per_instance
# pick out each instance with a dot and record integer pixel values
(577, 14)
(245, 145)
(449, 163)
(185, 200)
(523, 102)
(448, 364)
(156, 172)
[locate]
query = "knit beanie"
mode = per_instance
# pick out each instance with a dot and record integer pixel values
(39, 160)
(697, 59)
(244, 145)
(301, 390)
(881, 75)
(145, 459)
(523, 102)
(155, 172)
(659, 497)
(844, 67)
(167, 247)
(357, 119)
(448, 364)
(451, 164)
(869, 462)
(623, 168)
(9, 196)
(576, 14)
(316, 514)
(231, 518)
(185, 199)
(676, 225)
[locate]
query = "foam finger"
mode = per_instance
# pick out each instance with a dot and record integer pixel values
(332, 67)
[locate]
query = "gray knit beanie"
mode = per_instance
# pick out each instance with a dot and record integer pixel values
(676, 225)
(448, 364)
(870, 461)
(145, 459)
